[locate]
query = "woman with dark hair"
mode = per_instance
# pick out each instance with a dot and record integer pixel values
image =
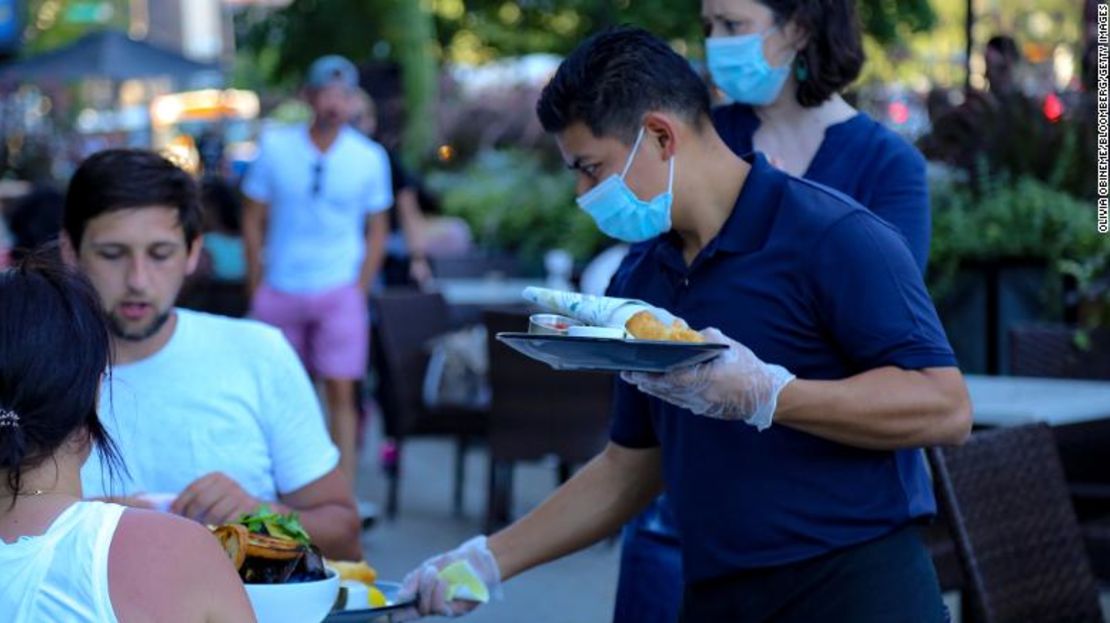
(62, 558)
(783, 65)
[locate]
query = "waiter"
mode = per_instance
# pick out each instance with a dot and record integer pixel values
(792, 461)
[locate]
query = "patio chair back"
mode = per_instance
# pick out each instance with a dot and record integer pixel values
(536, 411)
(405, 322)
(1047, 350)
(214, 296)
(1015, 531)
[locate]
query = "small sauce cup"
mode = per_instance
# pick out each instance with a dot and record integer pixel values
(551, 324)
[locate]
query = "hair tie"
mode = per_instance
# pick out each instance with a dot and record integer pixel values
(8, 419)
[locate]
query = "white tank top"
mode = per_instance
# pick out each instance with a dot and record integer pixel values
(61, 575)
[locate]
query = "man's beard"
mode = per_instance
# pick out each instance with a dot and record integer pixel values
(119, 331)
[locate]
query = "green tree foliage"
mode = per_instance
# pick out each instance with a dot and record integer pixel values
(52, 24)
(420, 33)
(478, 30)
(886, 20)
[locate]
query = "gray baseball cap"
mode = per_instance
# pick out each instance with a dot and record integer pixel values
(332, 69)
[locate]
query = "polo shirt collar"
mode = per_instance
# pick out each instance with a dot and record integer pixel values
(747, 227)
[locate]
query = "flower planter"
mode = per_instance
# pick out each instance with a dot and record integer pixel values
(985, 300)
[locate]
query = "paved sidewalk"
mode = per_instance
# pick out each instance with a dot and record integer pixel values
(576, 589)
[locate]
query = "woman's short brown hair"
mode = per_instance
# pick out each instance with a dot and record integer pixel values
(833, 54)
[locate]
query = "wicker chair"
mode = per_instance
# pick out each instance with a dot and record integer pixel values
(226, 298)
(1048, 350)
(405, 322)
(537, 412)
(1015, 531)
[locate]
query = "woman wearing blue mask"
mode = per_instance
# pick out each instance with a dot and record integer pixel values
(781, 64)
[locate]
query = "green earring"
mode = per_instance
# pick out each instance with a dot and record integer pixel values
(801, 71)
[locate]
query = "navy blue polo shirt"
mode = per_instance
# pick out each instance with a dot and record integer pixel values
(862, 159)
(810, 280)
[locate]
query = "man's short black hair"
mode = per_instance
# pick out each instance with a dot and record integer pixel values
(616, 76)
(118, 179)
(833, 56)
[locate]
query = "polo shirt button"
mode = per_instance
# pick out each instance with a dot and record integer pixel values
(686, 282)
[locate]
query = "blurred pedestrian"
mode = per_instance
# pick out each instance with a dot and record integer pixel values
(315, 226)
(35, 220)
(1003, 61)
(406, 261)
(223, 233)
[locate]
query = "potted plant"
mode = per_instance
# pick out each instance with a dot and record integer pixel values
(517, 205)
(997, 259)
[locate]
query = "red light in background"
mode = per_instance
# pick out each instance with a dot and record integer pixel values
(898, 111)
(1053, 108)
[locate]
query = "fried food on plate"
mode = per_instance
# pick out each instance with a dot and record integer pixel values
(645, 326)
(358, 571)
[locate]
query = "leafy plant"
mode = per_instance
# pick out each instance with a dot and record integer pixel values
(1008, 218)
(514, 204)
(1091, 295)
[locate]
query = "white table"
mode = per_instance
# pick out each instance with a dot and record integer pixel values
(485, 292)
(1014, 401)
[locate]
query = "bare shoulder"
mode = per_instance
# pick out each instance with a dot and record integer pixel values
(162, 567)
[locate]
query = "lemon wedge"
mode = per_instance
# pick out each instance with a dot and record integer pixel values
(464, 583)
(376, 597)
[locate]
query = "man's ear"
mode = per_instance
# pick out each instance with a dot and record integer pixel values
(662, 131)
(193, 258)
(69, 251)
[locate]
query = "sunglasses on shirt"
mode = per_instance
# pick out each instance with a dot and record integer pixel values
(317, 178)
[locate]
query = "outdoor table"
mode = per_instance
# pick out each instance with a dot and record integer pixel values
(485, 292)
(1014, 401)
(467, 297)
(1078, 412)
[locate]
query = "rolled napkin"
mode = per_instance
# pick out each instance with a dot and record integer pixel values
(638, 318)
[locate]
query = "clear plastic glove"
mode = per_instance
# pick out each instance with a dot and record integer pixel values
(734, 386)
(471, 579)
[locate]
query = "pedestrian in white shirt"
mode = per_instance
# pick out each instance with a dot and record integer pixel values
(314, 226)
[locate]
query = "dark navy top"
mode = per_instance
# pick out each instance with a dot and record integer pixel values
(862, 159)
(810, 280)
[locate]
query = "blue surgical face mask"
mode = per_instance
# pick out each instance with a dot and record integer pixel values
(740, 69)
(619, 213)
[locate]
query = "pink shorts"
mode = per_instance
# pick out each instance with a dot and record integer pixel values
(329, 330)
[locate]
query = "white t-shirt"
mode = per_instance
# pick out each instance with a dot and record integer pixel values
(318, 203)
(224, 395)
